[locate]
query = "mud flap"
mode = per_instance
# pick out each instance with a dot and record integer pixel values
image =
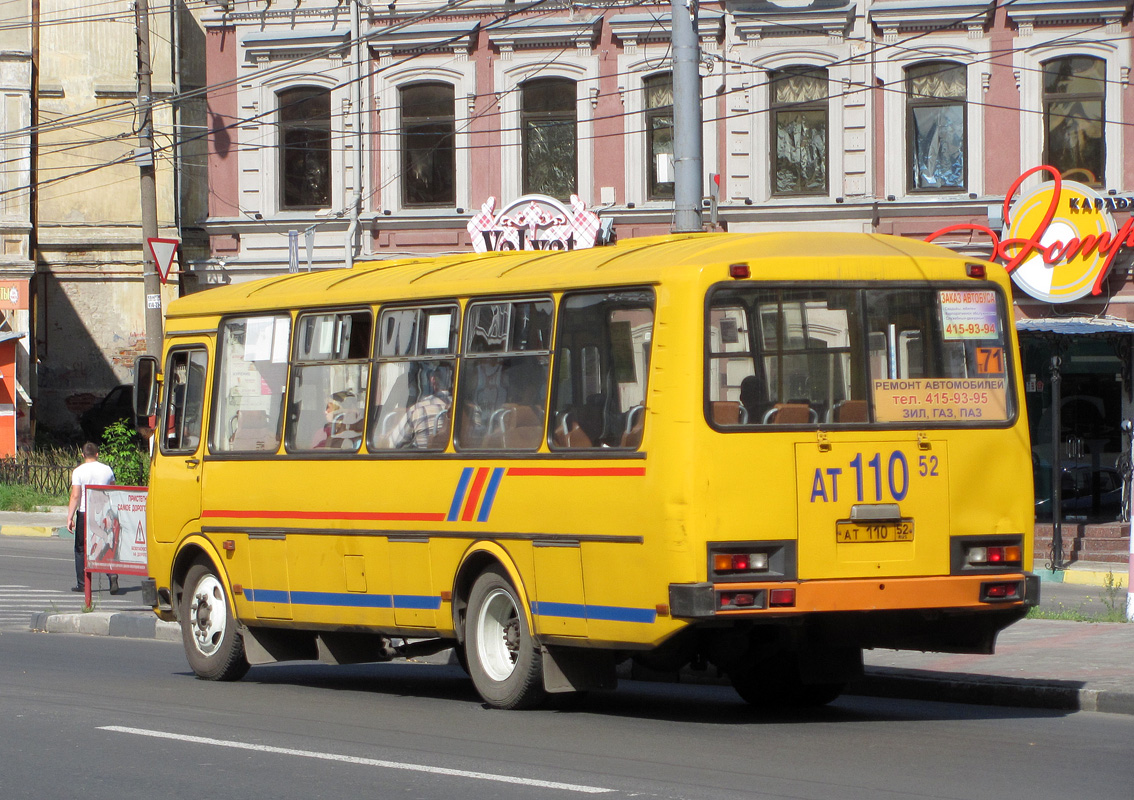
(573, 669)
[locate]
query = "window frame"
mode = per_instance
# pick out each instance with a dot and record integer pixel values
(404, 150)
(775, 109)
(913, 103)
(549, 117)
(1047, 99)
(650, 113)
(283, 127)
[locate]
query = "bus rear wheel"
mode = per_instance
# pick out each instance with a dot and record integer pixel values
(503, 658)
(775, 684)
(213, 645)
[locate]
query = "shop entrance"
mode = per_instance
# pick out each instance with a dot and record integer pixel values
(1094, 396)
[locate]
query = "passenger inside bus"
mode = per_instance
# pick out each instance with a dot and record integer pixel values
(426, 422)
(344, 422)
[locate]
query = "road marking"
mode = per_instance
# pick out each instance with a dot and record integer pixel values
(368, 762)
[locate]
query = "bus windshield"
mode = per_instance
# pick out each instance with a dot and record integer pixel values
(786, 355)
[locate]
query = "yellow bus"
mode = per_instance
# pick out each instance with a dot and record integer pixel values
(763, 452)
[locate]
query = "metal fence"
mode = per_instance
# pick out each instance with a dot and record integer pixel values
(49, 473)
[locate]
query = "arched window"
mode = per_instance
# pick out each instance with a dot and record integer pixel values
(1074, 90)
(799, 131)
(547, 122)
(304, 118)
(659, 135)
(936, 126)
(428, 148)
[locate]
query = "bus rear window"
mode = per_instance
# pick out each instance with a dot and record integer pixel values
(839, 356)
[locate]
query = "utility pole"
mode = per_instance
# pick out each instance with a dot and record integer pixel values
(687, 150)
(144, 157)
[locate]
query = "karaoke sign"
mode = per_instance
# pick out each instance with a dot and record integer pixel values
(1059, 239)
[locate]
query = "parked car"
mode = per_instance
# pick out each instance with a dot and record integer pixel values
(117, 405)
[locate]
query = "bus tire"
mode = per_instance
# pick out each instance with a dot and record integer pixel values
(213, 645)
(503, 658)
(775, 685)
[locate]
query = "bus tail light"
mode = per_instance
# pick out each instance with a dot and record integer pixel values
(998, 553)
(731, 601)
(994, 556)
(976, 270)
(779, 598)
(1001, 592)
(740, 562)
(733, 562)
(739, 271)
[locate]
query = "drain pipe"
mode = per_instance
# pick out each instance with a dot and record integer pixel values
(359, 116)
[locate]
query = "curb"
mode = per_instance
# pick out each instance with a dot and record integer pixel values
(1085, 577)
(129, 624)
(41, 531)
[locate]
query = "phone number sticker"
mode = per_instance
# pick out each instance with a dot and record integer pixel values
(969, 315)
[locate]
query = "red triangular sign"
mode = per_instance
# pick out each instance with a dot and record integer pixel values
(163, 251)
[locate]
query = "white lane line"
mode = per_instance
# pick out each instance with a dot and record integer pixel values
(368, 762)
(38, 558)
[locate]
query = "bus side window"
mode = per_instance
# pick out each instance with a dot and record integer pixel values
(181, 428)
(329, 373)
(600, 394)
(252, 371)
(502, 395)
(413, 382)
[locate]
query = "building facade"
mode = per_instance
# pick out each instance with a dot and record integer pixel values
(70, 219)
(342, 131)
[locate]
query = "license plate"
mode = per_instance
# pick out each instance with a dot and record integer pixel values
(851, 532)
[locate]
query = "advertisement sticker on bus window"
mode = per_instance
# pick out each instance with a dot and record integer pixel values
(941, 399)
(281, 335)
(437, 330)
(968, 315)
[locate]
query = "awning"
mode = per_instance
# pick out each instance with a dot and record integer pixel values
(1075, 326)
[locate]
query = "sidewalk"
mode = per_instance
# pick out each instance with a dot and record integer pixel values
(52, 522)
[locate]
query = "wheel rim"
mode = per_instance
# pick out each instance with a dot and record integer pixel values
(208, 615)
(498, 639)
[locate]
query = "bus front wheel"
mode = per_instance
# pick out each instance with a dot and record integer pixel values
(503, 659)
(213, 645)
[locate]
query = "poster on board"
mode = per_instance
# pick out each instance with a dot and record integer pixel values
(116, 529)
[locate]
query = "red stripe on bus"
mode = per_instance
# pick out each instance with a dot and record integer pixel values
(388, 516)
(474, 494)
(567, 472)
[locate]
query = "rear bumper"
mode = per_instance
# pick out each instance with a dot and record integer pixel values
(954, 593)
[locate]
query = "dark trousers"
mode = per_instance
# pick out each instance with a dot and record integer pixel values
(81, 546)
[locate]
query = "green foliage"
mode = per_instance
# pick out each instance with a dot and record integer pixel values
(28, 498)
(122, 450)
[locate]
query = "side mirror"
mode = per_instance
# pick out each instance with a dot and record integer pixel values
(145, 386)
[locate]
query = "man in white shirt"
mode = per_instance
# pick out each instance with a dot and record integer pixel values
(91, 472)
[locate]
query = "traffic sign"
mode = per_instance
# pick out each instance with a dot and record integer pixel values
(163, 251)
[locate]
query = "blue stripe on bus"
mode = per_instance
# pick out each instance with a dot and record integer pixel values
(599, 613)
(345, 599)
(459, 495)
(417, 601)
(267, 596)
(490, 494)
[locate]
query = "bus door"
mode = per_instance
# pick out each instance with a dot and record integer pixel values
(177, 472)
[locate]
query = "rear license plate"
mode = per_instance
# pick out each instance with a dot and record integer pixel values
(851, 532)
